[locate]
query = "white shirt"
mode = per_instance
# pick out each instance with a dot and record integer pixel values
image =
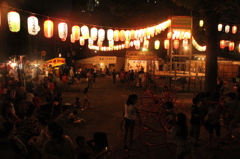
(130, 111)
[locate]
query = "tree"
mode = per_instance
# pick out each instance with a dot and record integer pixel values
(211, 11)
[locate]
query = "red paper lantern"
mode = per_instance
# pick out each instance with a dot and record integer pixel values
(222, 44)
(76, 32)
(48, 28)
(231, 46)
(175, 44)
(234, 29)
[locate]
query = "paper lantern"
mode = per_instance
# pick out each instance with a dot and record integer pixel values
(111, 43)
(13, 21)
(132, 34)
(227, 28)
(101, 35)
(231, 46)
(63, 31)
(152, 31)
(81, 41)
(48, 28)
(222, 44)
(99, 43)
(110, 34)
(185, 42)
(122, 35)
(85, 32)
(157, 44)
(220, 27)
(116, 35)
(33, 27)
(76, 32)
(175, 44)
(238, 47)
(137, 44)
(136, 34)
(146, 44)
(201, 23)
(169, 35)
(72, 38)
(94, 34)
(127, 35)
(127, 44)
(234, 29)
(166, 44)
(90, 42)
(131, 43)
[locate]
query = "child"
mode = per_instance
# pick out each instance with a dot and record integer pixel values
(78, 82)
(37, 101)
(57, 102)
(170, 114)
(73, 117)
(78, 103)
(195, 121)
(64, 81)
(51, 86)
(69, 81)
(86, 98)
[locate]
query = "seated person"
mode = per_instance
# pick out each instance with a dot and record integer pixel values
(99, 143)
(74, 118)
(82, 148)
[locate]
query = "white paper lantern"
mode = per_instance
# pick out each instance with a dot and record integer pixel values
(110, 34)
(220, 27)
(227, 28)
(81, 41)
(101, 35)
(85, 32)
(63, 31)
(33, 27)
(90, 42)
(94, 34)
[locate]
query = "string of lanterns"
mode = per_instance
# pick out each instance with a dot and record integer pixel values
(129, 37)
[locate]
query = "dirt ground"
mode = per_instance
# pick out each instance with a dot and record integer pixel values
(149, 142)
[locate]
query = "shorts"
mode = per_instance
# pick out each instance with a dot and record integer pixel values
(129, 123)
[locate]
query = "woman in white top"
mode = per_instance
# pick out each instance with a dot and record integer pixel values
(130, 113)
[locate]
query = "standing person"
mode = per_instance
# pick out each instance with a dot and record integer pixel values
(114, 76)
(64, 80)
(94, 73)
(195, 121)
(30, 97)
(86, 99)
(37, 101)
(20, 99)
(69, 81)
(232, 117)
(59, 145)
(130, 113)
(180, 132)
(78, 72)
(89, 76)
